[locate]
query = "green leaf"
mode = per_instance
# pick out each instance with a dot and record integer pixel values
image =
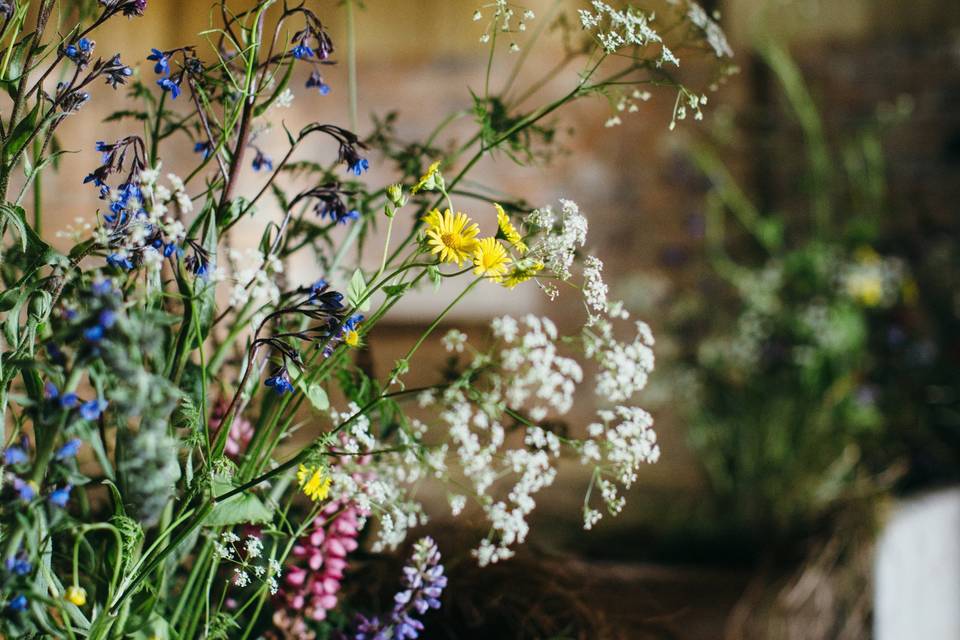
(240, 509)
(356, 290)
(316, 395)
(396, 289)
(21, 133)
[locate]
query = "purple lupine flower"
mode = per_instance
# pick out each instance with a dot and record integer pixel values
(423, 583)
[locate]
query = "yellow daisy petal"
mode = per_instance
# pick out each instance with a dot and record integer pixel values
(451, 237)
(521, 272)
(427, 179)
(314, 483)
(490, 259)
(509, 231)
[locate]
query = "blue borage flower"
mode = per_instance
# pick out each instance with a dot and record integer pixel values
(68, 450)
(316, 80)
(89, 410)
(169, 85)
(262, 161)
(26, 490)
(203, 148)
(349, 144)
(280, 382)
(162, 66)
(302, 50)
(14, 455)
(312, 41)
(116, 72)
(19, 565)
(330, 202)
(18, 603)
(80, 51)
(60, 497)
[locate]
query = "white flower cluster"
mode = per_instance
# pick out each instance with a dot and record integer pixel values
(561, 236)
(249, 562)
(505, 18)
(617, 29)
(626, 103)
(454, 340)
(624, 366)
(617, 446)
(254, 277)
(535, 374)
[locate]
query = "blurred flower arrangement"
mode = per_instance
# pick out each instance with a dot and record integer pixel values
(151, 371)
(779, 347)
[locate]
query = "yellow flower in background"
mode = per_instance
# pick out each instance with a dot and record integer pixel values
(522, 271)
(352, 338)
(509, 231)
(76, 595)
(314, 482)
(452, 237)
(490, 259)
(428, 180)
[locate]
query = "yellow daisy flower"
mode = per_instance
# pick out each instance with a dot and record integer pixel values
(76, 595)
(452, 237)
(490, 259)
(509, 231)
(314, 483)
(427, 180)
(352, 338)
(522, 271)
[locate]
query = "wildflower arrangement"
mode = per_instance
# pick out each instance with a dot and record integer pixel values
(152, 370)
(787, 410)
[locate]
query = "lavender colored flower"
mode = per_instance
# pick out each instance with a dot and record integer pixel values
(423, 583)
